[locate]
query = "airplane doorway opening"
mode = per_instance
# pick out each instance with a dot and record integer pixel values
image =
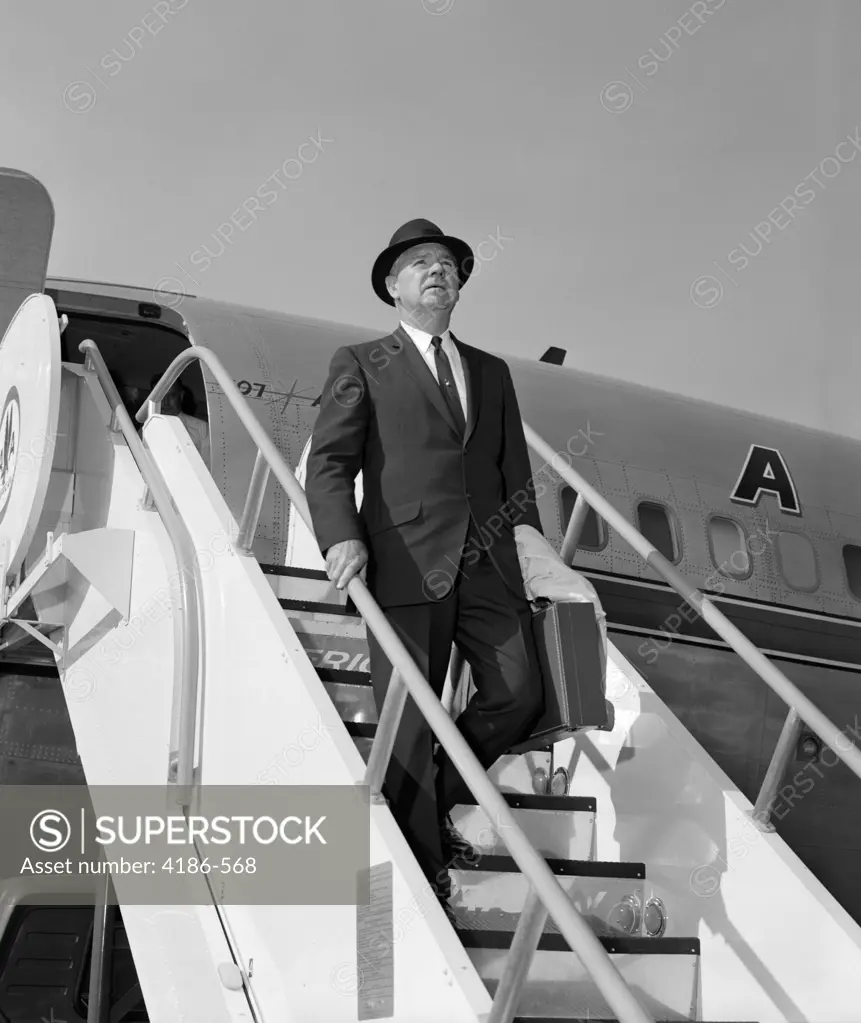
(135, 350)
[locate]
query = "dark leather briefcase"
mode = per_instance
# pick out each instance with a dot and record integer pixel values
(573, 671)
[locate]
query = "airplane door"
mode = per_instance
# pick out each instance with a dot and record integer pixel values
(27, 219)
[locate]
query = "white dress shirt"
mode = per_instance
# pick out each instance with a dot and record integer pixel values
(422, 341)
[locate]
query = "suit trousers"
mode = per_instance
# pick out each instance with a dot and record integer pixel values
(493, 630)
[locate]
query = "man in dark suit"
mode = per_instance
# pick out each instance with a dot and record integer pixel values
(433, 425)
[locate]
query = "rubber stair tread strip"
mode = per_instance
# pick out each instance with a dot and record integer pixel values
(317, 607)
(29, 669)
(361, 729)
(615, 945)
(295, 573)
(344, 676)
(527, 801)
(494, 863)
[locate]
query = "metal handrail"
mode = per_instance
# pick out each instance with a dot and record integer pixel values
(574, 531)
(186, 633)
(186, 642)
(253, 504)
(768, 672)
(574, 929)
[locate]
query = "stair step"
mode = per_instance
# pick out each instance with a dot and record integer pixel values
(353, 702)
(490, 894)
(661, 972)
(318, 607)
(560, 827)
(294, 573)
(562, 868)
(613, 945)
(304, 584)
(558, 804)
(351, 693)
(344, 676)
(362, 729)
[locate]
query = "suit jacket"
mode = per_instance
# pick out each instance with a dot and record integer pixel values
(383, 413)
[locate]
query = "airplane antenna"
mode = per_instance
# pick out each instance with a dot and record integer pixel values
(555, 356)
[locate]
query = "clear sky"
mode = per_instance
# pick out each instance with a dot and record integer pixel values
(616, 159)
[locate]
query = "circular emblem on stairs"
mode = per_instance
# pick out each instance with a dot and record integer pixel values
(30, 380)
(10, 436)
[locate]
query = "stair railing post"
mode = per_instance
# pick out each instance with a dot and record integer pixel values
(575, 529)
(524, 944)
(384, 739)
(101, 966)
(253, 504)
(786, 745)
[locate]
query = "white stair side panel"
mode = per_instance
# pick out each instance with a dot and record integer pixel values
(665, 802)
(263, 695)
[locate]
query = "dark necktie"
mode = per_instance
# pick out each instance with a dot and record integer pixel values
(447, 384)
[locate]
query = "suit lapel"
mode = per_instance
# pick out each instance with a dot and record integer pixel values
(472, 377)
(420, 372)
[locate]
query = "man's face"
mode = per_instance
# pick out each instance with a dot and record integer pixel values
(424, 278)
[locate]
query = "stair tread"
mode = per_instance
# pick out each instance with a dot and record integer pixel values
(361, 729)
(566, 868)
(296, 573)
(345, 676)
(528, 801)
(615, 945)
(317, 607)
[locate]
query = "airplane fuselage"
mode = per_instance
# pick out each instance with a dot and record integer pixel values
(761, 515)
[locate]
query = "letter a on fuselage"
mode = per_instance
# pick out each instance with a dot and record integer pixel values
(765, 472)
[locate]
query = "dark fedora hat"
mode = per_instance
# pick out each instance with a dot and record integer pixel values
(414, 232)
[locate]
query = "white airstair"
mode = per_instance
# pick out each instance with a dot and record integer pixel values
(187, 663)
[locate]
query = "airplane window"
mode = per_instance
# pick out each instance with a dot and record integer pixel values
(798, 561)
(655, 525)
(852, 564)
(593, 536)
(728, 545)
